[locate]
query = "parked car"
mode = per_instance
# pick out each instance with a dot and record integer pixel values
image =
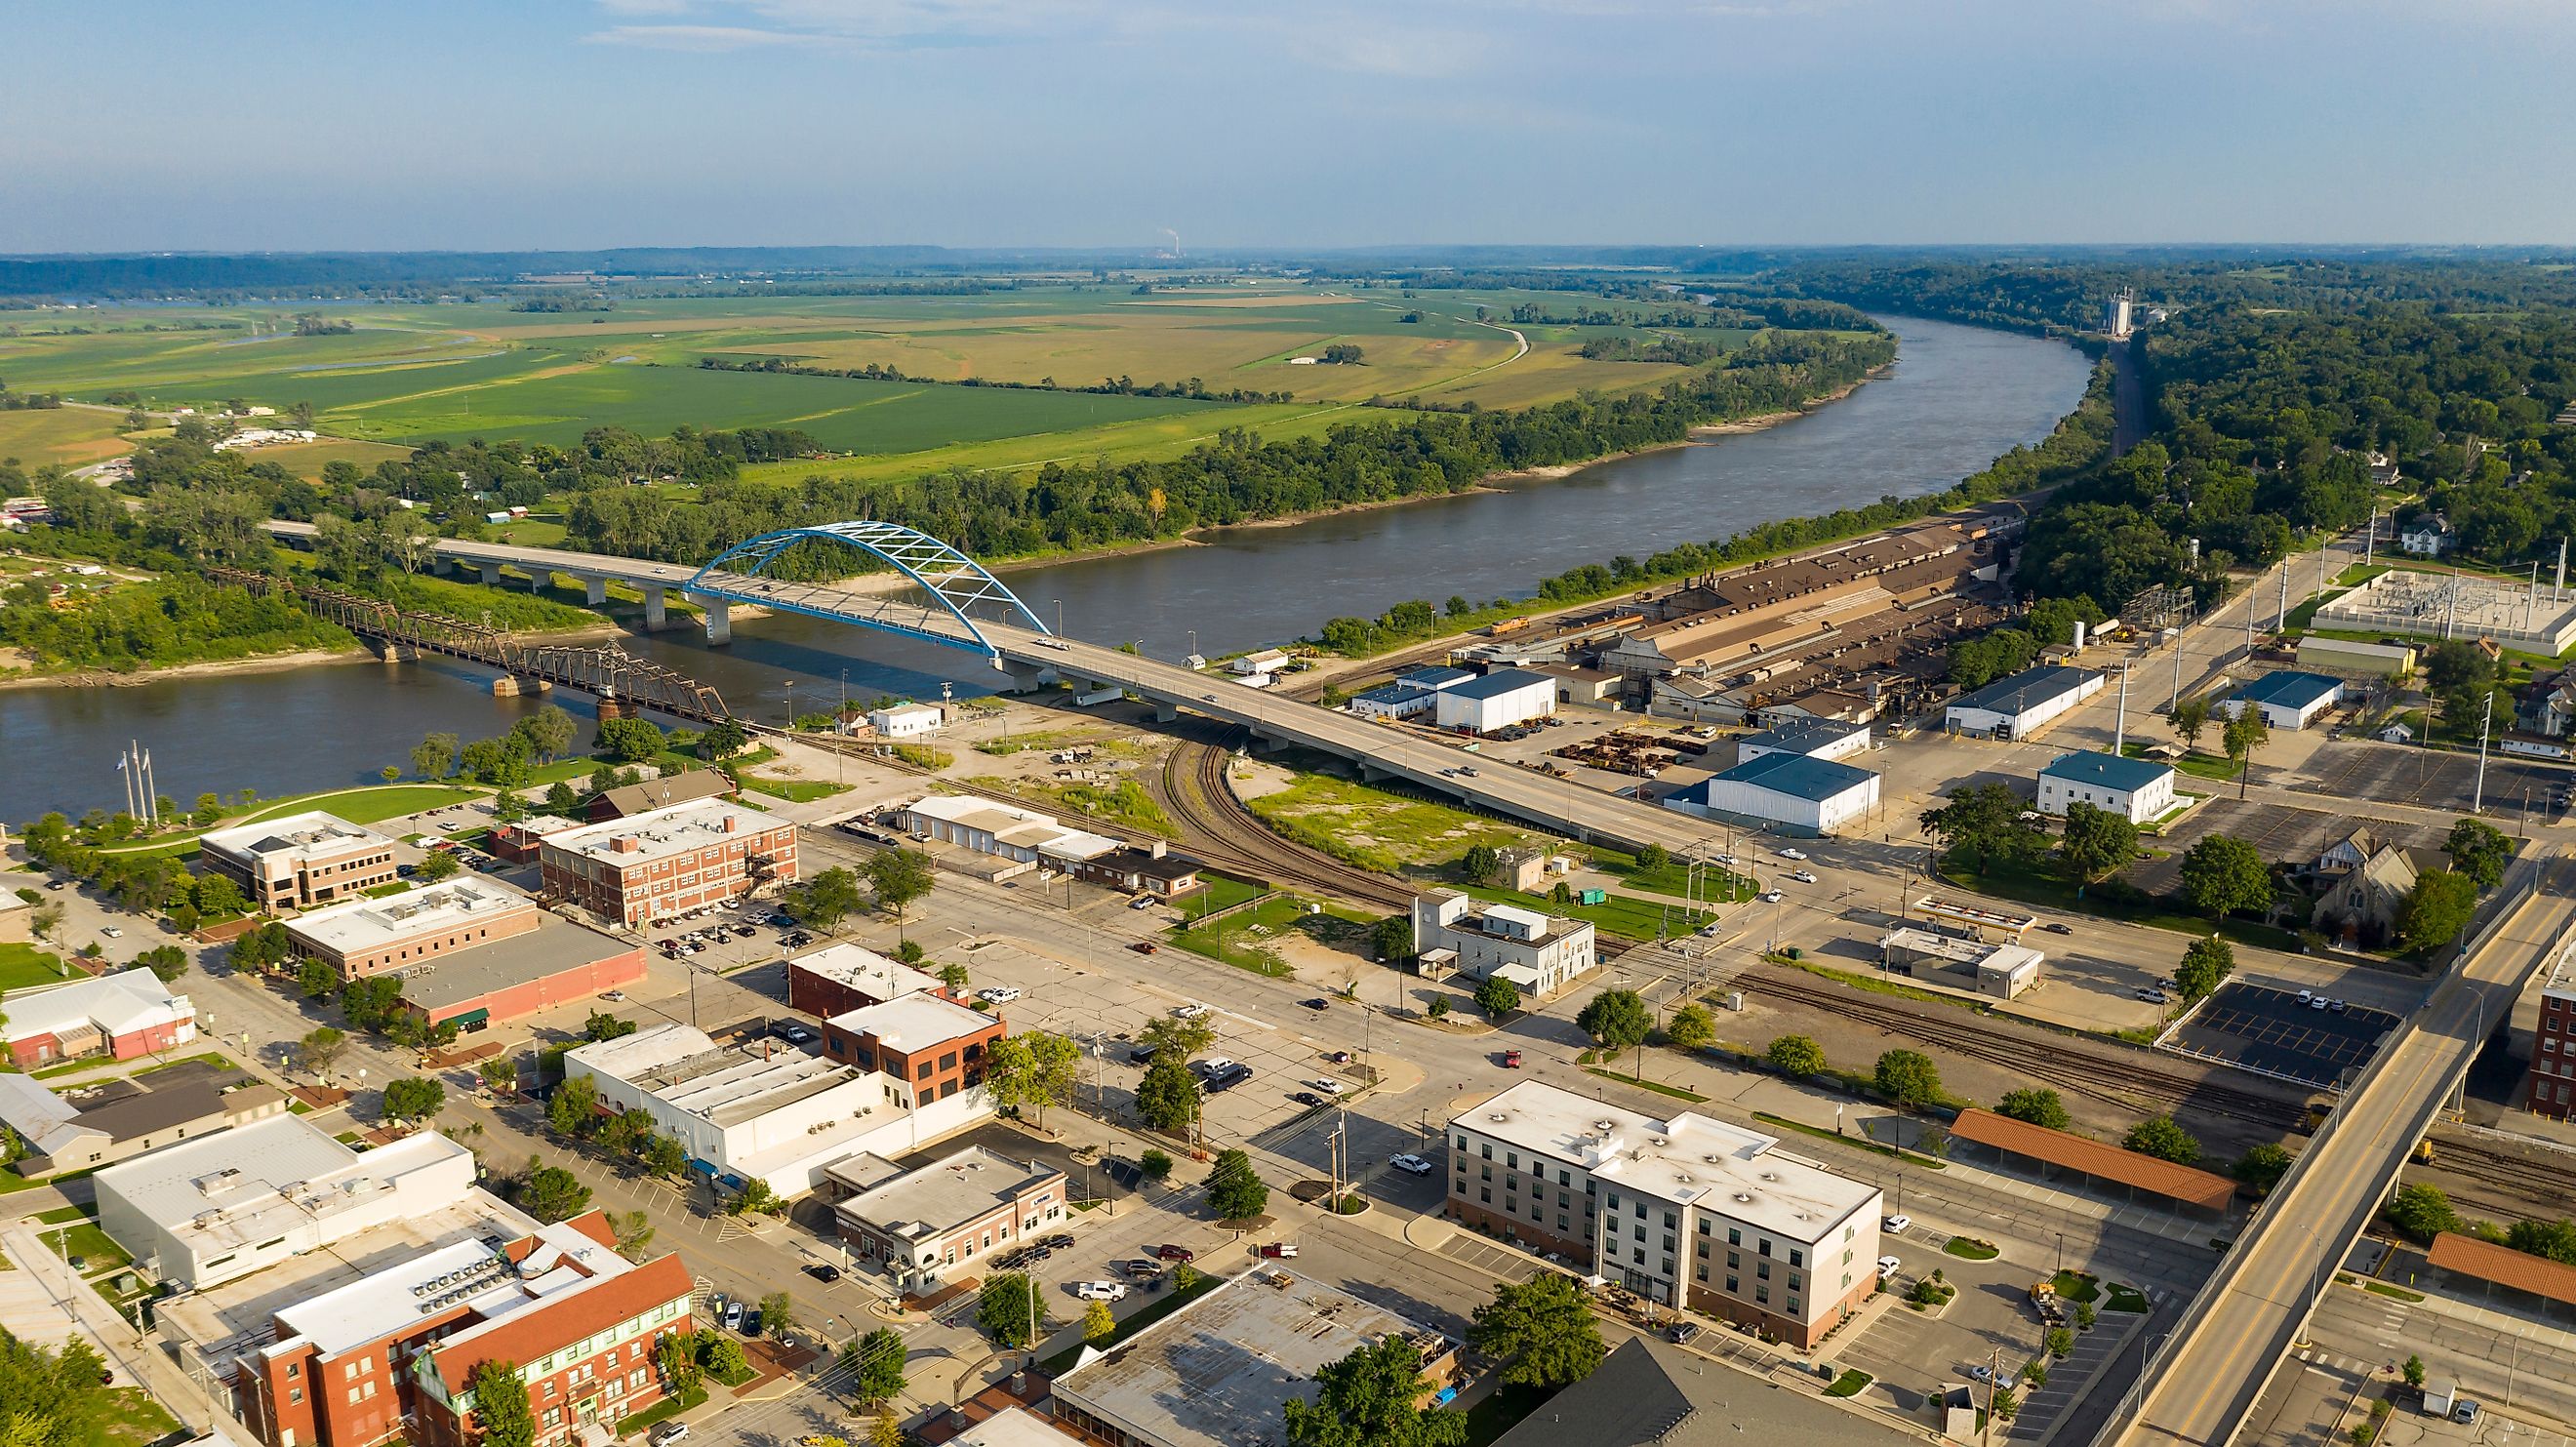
(112, 932)
(2151, 994)
(1888, 1266)
(1411, 1164)
(1138, 1055)
(1980, 1372)
(751, 1322)
(1803, 876)
(2320, 1003)
(1058, 1242)
(796, 1035)
(1511, 1060)
(1317, 1003)
(1190, 1011)
(1181, 1254)
(1101, 1290)
(1897, 1224)
(1140, 1266)
(1145, 947)
(667, 1433)
(997, 994)
(1793, 853)
(1279, 1250)
(1682, 1333)
(1142, 901)
(1307, 1098)
(1328, 1085)
(824, 1271)
(733, 1315)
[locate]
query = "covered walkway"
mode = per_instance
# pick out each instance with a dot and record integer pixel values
(2056, 1151)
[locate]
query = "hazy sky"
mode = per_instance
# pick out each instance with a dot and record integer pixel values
(299, 124)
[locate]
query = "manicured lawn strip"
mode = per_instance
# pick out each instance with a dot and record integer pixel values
(1855, 1142)
(2397, 1292)
(1968, 1249)
(133, 1417)
(662, 1411)
(794, 791)
(2126, 1298)
(1626, 916)
(364, 804)
(2077, 1285)
(1643, 1084)
(22, 965)
(63, 1215)
(1221, 891)
(1170, 1301)
(1850, 1384)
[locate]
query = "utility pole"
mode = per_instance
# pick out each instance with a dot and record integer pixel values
(1994, 1379)
(2120, 728)
(2281, 615)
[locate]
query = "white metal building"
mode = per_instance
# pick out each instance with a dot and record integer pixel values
(2138, 790)
(2020, 706)
(907, 720)
(2286, 699)
(1814, 738)
(1801, 794)
(1538, 952)
(1496, 701)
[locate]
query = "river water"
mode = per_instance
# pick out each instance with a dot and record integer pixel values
(1956, 398)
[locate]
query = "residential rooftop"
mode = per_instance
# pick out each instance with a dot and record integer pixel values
(310, 835)
(1648, 1393)
(686, 787)
(1220, 1369)
(2106, 771)
(680, 829)
(362, 925)
(1689, 1159)
(949, 1193)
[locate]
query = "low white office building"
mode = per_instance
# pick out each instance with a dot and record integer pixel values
(1829, 739)
(907, 720)
(2286, 699)
(2020, 706)
(1539, 952)
(2138, 790)
(1797, 793)
(1496, 701)
(225, 1205)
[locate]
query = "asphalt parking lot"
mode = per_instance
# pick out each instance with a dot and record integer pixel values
(1912, 1353)
(2274, 1031)
(2425, 778)
(2294, 836)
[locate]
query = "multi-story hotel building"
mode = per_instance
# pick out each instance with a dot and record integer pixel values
(299, 861)
(1687, 1211)
(666, 862)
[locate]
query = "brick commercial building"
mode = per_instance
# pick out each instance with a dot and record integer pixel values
(395, 1352)
(121, 1016)
(926, 1224)
(1687, 1211)
(517, 842)
(930, 1047)
(557, 963)
(407, 931)
(655, 865)
(2552, 1081)
(299, 861)
(837, 979)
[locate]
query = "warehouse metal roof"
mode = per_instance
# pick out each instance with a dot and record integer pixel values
(1798, 775)
(2106, 771)
(2027, 689)
(2285, 688)
(1498, 683)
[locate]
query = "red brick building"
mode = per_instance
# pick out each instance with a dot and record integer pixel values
(299, 861)
(405, 932)
(929, 1046)
(657, 865)
(2552, 1082)
(121, 1016)
(840, 978)
(394, 1353)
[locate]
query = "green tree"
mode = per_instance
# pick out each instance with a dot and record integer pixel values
(1796, 1055)
(2479, 850)
(2413, 1371)
(1234, 1189)
(413, 1098)
(1497, 997)
(2244, 734)
(548, 731)
(875, 1364)
(53, 1397)
(2223, 875)
(2095, 842)
(677, 1356)
(1616, 1018)
(1098, 1325)
(166, 962)
(722, 740)
(604, 1026)
(1154, 1163)
(2206, 964)
(320, 1047)
(630, 740)
(574, 1109)
(436, 865)
(826, 899)
(952, 978)
(665, 1157)
(498, 1074)
(217, 896)
(2060, 1343)
(551, 1193)
(1984, 822)
(2190, 717)
(1367, 1399)
(2262, 1166)
(434, 757)
(1543, 1329)
(1168, 1097)
(634, 1232)
(1653, 856)
(2436, 910)
(1691, 1027)
(1482, 864)
(1908, 1079)
(721, 1357)
(2037, 1105)
(2421, 1212)
(314, 980)
(755, 1198)
(777, 1315)
(1006, 1306)
(1391, 939)
(2160, 1137)
(887, 1430)
(899, 877)
(502, 1415)
(2555, 1240)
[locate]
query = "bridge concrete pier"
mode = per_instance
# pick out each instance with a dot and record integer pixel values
(1024, 677)
(539, 579)
(1166, 712)
(388, 651)
(511, 685)
(594, 590)
(491, 574)
(654, 614)
(719, 615)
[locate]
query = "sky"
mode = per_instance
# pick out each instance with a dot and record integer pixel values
(507, 124)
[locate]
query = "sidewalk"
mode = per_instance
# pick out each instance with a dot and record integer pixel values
(71, 1306)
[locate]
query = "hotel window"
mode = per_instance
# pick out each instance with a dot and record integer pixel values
(1797, 1257)
(1793, 1306)
(1762, 1294)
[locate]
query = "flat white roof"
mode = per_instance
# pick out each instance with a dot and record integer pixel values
(1528, 919)
(865, 970)
(946, 1194)
(914, 1022)
(645, 1051)
(256, 1181)
(1689, 1159)
(911, 710)
(662, 832)
(469, 1273)
(125, 1001)
(309, 835)
(366, 924)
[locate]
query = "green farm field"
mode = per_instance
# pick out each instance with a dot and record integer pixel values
(72, 436)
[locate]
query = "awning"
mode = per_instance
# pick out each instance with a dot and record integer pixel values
(471, 1018)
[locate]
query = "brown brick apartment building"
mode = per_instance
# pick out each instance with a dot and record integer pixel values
(929, 1046)
(299, 861)
(666, 862)
(371, 936)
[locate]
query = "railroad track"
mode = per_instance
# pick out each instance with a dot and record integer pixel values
(1227, 835)
(2062, 1061)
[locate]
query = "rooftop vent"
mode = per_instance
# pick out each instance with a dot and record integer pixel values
(1605, 1126)
(1744, 1198)
(1498, 1117)
(1770, 1175)
(1663, 1140)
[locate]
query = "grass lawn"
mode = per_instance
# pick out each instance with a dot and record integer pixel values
(63, 1215)
(1221, 891)
(2078, 1285)
(133, 1417)
(91, 1244)
(663, 1410)
(1673, 878)
(365, 804)
(1124, 804)
(210, 1058)
(1658, 1087)
(2126, 1298)
(1243, 939)
(1968, 1248)
(73, 436)
(2207, 766)
(1623, 915)
(1379, 829)
(794, 791)
(1850, 1384)
(1854, 1141)
(24, 965)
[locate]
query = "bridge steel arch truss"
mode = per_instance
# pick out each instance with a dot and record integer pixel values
(610, 672)
(954, 582)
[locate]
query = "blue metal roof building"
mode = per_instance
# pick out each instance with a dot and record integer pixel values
(1805, 795)
(2288, 700)
(2108, 771)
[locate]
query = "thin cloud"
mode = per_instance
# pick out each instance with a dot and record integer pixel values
(700, 39)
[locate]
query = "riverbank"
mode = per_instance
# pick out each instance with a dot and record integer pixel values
(259, 663)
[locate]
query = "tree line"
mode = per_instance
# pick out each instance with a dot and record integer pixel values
(1121, 386)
